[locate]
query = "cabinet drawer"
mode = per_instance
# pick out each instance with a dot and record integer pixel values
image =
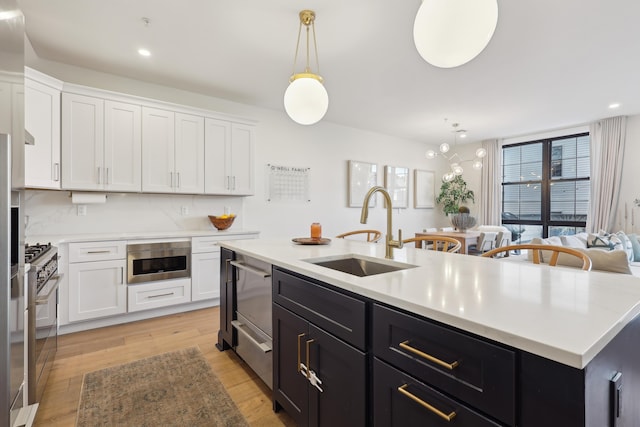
(97, 251)
(401, 400)
(339, 314)
(158, 294)
(479, 373)
(205, 244)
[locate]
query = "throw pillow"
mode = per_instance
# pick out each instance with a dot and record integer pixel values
(626, 244)
(575, 241)
(613, 261)
(604, 241)
(635, 245)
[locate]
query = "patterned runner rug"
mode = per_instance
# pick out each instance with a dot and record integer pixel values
(171, 389)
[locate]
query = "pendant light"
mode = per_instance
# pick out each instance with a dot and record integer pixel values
(450, 33)
(306, 100)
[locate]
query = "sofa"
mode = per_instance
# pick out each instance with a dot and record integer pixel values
(612, 252)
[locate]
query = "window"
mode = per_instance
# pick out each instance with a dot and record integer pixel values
(545, 187)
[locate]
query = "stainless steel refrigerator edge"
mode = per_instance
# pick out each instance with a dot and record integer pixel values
(11, 184)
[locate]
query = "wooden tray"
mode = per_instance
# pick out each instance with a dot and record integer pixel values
(311, 241)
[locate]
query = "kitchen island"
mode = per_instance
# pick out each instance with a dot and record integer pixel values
(571, 337)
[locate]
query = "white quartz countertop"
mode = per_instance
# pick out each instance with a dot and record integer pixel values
(56, 239)
(564, 314)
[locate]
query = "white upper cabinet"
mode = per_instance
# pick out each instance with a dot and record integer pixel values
(122, 146)
(228, 158)
(82, 142)
(158, 152)
(101, 144)
(173, 148)
(42, 120)
(189, 153)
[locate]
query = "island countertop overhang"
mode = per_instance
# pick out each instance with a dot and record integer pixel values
(563, 314)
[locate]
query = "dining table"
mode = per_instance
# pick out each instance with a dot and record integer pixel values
(466, 238)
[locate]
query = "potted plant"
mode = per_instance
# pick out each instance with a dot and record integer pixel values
(452, 194)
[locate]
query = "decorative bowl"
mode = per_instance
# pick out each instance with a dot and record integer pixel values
(462, 221)
(222, 222)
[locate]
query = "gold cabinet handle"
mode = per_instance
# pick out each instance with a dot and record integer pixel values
(403, 389)
(308, 361)
(226, 269)
(299, 337)
(405, 345)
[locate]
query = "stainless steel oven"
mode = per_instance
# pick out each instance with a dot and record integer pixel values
(42, 315)
(149, 262)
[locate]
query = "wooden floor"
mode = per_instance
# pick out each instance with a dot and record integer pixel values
(96, 349)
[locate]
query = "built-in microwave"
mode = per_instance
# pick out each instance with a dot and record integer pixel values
(148, 262)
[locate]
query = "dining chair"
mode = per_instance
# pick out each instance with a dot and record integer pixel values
(436, 243)
(372, 235)
(486, 242)
(537, 255)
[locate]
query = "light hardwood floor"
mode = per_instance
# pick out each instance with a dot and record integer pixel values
(96, 349)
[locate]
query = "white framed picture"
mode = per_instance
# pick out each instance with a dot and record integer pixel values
(361, 177)
(424, 189)
(396, 181)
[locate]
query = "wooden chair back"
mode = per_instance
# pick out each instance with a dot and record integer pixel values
(537, 250)
(372, 235)
(437, 243)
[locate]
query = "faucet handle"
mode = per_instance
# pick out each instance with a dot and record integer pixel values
(400, 244)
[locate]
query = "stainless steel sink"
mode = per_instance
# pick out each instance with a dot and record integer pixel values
(359, 265)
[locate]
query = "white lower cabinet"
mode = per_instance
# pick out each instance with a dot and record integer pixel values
(145, 296)
(97, 289)
(205, 275)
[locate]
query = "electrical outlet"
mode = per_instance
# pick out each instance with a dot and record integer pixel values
(82, 210)
(185, 210)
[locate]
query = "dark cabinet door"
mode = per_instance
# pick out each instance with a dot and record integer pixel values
(227, 300)
(290, 387)
(342, 370)
(333, 393)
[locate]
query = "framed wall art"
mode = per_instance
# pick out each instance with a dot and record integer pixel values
(361, 177)
(424, 189)
(396, 181)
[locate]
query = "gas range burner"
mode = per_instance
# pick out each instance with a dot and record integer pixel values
(33, 252)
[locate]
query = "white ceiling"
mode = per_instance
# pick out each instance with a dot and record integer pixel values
(551, 64)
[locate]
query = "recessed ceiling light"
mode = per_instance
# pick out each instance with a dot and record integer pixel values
(614, 105)
(144, 52)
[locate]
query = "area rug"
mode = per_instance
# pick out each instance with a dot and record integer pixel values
(171, 389)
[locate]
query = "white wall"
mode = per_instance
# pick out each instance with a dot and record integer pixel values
(325, 148)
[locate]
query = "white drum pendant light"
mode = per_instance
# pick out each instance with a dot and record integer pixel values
(306, 100)
(449, 33)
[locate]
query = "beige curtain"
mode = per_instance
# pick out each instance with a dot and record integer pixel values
(490, 185)
(607, 139)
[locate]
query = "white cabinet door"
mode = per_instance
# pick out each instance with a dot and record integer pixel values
(82, 142)
(241, 159)
(42, 120)
(205, 275)
(217, 143)
(189, 154)
(158, 158)
(97, 289)
(229, 160)
(122, 147)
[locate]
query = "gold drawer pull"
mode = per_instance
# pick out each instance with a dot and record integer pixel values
(405, 345)
(448, 417)
(299, 367)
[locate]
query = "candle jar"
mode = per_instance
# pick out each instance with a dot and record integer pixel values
(316, 230)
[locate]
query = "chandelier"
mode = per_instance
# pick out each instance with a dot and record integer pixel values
(306, 100)
(455, 161)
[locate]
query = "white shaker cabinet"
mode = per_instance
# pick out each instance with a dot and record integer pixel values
(42, 120)
(205, 268)
(173, 148)
(97, 280)
(101, 144)
(229, 150)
